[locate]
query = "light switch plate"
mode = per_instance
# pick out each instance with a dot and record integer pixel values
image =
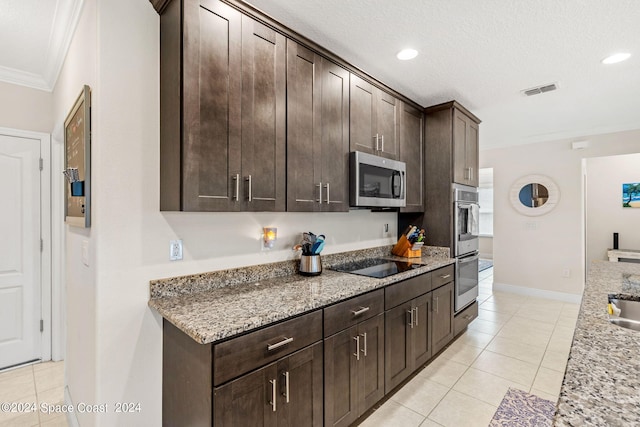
(85, 252)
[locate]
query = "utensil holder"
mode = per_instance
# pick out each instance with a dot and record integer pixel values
(310, 265)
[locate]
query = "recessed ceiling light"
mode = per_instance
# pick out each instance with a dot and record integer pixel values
(406, 54)
(616, 57)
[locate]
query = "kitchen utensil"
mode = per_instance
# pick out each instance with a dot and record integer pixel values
(310, 265)
(317, 247)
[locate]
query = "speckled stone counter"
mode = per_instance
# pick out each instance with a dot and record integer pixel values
(601, 386)
(213, 306)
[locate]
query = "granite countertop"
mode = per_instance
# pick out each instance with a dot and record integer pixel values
(214, 306)
(601, 386)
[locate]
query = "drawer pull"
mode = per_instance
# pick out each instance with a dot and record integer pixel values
(416, 319)
(277, 345)
(359, 312)
(272, 402)
(286, 386)
(446, 276)
(357, 353)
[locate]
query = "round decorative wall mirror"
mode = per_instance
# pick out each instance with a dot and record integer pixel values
(534, 195)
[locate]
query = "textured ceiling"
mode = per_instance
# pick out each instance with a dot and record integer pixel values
(481, 53)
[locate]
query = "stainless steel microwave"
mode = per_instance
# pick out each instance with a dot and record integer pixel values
(377, 182)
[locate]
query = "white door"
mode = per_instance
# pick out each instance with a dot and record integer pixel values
(20, 271)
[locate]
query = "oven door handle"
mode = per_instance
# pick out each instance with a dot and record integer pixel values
(467, 259)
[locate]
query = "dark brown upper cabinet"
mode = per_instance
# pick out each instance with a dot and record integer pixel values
(374, 118)
(317, 132)
(465, 149)
(451, 156)
(223, 110)
(412, 153)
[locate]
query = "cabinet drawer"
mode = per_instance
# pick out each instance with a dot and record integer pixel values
(407, 289)
(347, 313)
(465, 317)
(239, 355)
(442, 276)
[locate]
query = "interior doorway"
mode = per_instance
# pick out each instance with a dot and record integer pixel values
(25, 255)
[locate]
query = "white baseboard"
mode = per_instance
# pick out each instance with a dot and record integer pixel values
(538, 293)
(72, 420)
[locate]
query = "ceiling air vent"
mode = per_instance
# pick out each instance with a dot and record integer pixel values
(540, 89)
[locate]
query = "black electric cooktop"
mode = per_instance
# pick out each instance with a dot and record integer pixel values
(376, 267)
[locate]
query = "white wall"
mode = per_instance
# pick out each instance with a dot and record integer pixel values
(605, 214)
(533, 260)
(485, 247)
(114, 349)
(25, 108)
(80, 282)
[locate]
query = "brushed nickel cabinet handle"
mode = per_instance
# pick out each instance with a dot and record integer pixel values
(446, 276)
(382, 144)
(319, 185)
(359, 312)
(436, 304)
(279, 344)
(272, 402)
(236, 196)
(410, 313)
(357, 353)
(416, 319)
(364, 335)
(327, 187)
(286, 386)
(249, 194)
(376, 138)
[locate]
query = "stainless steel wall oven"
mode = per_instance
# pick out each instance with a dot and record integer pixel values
(465, 235)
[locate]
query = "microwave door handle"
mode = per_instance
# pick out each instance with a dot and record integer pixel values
(394, 176)
(403, 179)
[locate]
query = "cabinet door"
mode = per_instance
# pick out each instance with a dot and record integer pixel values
(335, 137)
(412, 153)
(250, 401)
(472, 153)
(387, 108)
(300, 388)
(211, 107)
(398, 346)
(371, 364)
(442, 328)
(422, 330)
(304, 151)
(263, 117)
(460, 169)
(341, 378)
(362, 116)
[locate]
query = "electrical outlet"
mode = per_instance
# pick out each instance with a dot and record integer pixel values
(175, 250)
(566, 273)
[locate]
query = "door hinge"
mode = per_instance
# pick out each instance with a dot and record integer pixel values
(41, 325)
(41, 163)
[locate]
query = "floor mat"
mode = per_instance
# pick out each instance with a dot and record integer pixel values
(521, 409)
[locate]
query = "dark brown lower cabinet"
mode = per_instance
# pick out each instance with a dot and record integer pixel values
(442, 330)
(284, 393)
(354, 371)
(407, 339)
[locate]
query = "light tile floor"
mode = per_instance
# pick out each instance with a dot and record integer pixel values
(40, 385)
(516, 341)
